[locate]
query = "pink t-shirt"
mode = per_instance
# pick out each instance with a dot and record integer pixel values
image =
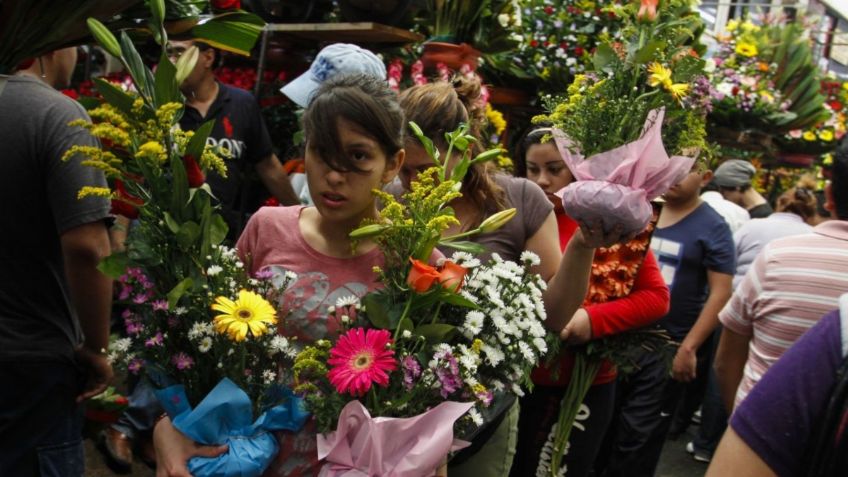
(272, 241)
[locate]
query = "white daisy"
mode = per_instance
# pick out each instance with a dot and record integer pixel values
(345, 301)
(205, 344)
(214, 270)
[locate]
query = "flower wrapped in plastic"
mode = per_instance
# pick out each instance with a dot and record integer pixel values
(224, 416)
(618, 185)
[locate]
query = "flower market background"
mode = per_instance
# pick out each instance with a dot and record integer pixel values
(527, 51)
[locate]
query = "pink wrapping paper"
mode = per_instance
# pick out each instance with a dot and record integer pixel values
(363, 446)
(617, 186)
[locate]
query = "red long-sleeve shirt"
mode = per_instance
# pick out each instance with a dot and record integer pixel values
(647, 302)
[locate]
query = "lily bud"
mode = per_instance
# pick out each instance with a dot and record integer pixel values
(494, 222)
(185, 64)
(157, 10)
(367, 231)
(104, 37)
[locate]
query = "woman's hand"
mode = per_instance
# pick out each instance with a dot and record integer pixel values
(578, 330)
(174, 449)
(591, 235)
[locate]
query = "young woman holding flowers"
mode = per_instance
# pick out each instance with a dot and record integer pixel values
(441, 107)
(647, 301)
(354, 144)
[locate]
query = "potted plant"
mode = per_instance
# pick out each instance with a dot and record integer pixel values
(454, 23)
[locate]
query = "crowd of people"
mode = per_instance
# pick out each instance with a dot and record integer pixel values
(750, 294)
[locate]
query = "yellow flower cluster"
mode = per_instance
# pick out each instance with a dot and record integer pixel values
(825, 135)
(310, 362)
(152, 150)
(441, 223)
(90, 191)
(746, 49)
(659, 75)
(496, 119)
(95, 157)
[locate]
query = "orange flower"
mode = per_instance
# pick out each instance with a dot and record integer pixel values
(451, 276)
(647, 10)
(421, 276)
(763, 66)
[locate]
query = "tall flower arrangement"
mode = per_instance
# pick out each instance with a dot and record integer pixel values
(438, 331)
(197, 325)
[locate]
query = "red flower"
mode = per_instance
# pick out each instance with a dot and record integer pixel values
(193, 171)
(121, 401)
(549, 10)
(836, 105)
(226, 4)
(421, 276)
(228, 126)
(534, 43)
(124, 203)
(71, 93)
(361, 357)
(271, 202)
(735, 90)
(578, 50)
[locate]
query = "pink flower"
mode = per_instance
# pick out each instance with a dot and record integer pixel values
(160, 305)
(361, 357)
(157, 340)
(411, 371)
(135, 366)
(182, 361)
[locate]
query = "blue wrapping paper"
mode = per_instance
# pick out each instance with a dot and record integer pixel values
(224, 417)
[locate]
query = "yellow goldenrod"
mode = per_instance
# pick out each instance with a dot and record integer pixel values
(90, 191)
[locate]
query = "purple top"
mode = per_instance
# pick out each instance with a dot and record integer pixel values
(778, 417)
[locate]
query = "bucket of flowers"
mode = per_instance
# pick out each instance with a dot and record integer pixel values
(422, 359)
(197, 326)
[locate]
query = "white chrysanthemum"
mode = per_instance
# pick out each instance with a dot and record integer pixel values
(497, 385)
(290, 275)
(475, 416)
(268, 376)
(540, 345)
(205, 344)
(474, 322)
(279, 344)
(530, 258)
(494, 356)
(469, 362)
(497, 258)
(516, 389)
(345, 301)
(199, 330)
(121, 345)
(112, 357)
(214, 270)
(465, 259)
(526, 351)
(180, 310)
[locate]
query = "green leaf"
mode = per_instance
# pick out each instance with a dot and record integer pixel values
(458, 300)
(179, 187)
(236, 32)
(647, 52)
(141, 75)
(188, 235)
(488, 155)
(171, 223)
(425, 141)
(464, 246)
(377, 310)
(436, 332)
(114, 265)
(167, 90)
(218, 229)
(178, 291)
(604, 57)
(140, 251)
(198, 140)
(114, 96)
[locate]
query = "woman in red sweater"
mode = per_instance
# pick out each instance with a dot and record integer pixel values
(647, 301)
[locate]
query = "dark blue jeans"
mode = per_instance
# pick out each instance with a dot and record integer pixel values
(40, 421)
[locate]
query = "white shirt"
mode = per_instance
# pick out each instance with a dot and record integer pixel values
(757, 233)
(734, 215)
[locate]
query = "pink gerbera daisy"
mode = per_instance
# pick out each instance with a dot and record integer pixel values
(361, 357)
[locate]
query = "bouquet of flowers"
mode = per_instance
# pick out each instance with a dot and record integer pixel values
(646, 94)
(457, 330)
(196, 324)
(821, 137)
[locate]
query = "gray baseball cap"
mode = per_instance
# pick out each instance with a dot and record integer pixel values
(336, 59)
(734, 173)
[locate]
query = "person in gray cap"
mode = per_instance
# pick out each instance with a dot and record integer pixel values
(334, 60)
(733, 178)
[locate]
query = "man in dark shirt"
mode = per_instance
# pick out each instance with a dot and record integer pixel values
(733, 178)
(54, 303)
(239, 132)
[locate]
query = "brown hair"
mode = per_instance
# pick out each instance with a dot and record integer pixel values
(360, 99)
(799, 200)
(439, 108)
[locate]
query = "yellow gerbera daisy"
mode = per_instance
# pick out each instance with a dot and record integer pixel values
(809, 136)
(678, 90)
(249, 312)
(826, 135)
(659, 75)
(747, 49)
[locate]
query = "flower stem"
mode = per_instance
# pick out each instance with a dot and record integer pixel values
(402, 317)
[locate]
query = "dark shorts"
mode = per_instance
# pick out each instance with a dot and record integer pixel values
(40, 421)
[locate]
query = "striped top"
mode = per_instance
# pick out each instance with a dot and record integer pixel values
(792, 283)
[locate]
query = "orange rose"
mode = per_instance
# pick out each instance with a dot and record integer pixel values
(451, 276)
(421, 276)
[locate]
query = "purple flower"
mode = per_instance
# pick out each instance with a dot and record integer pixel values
(447, 370)
(264, 274)
(486, 397)
(126, 314)
(160, 305)
(133, 327)
(135, 366)
(157, 340)
(182, 361)
(411, 371)
(125, 293)
(140, 298)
